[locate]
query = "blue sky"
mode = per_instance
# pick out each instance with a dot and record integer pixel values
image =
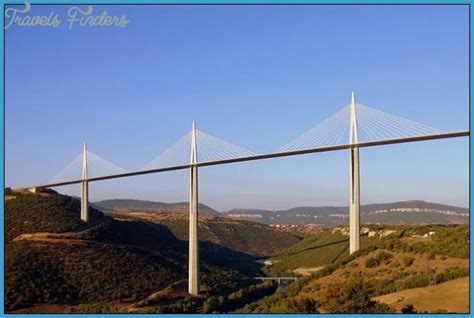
(256, 76)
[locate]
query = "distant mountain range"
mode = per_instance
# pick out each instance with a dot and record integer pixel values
(404, 212)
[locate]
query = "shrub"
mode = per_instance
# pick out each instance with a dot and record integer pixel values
(408, 261)
(408, 309)
(372, 262)
(431, 255)
(302, 305)
(383, 256)
(239, 298)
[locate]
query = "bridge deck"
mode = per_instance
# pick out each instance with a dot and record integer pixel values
(267, 156)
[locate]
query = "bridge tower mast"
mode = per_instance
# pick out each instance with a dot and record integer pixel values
(354, 180)
(193, 275)
(84, 188)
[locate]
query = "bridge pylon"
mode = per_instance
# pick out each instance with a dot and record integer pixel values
(354, 181)
(84, 188)
(193, 274)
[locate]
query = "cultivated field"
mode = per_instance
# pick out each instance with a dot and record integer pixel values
(452, 296)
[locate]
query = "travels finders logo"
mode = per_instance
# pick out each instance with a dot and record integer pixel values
(76, 17)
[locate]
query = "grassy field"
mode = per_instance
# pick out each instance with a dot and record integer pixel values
(452, 297)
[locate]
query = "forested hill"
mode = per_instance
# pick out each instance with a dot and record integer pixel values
(52, 257)
(131, 205)
(247, 237)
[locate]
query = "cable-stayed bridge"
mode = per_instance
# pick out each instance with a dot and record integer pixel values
(353, 127)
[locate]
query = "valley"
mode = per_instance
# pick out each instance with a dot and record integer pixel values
(133, 259)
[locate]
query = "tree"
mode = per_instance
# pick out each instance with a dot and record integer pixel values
(302, 305)
(408, 309)
(211, 304)
(353, 297)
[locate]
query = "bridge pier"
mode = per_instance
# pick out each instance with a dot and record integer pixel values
(193, 274)
(33, 190)
(354, 183)
(85, 201)
(354, 205)
(84, 188)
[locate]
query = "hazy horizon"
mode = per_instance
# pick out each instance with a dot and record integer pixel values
(275, 210)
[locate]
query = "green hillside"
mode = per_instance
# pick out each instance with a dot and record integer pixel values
(312, 252)
(349, 284)
(327, 248)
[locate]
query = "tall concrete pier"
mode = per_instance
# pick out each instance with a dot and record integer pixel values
(354, 179)
(193, 275)
(84, 188)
